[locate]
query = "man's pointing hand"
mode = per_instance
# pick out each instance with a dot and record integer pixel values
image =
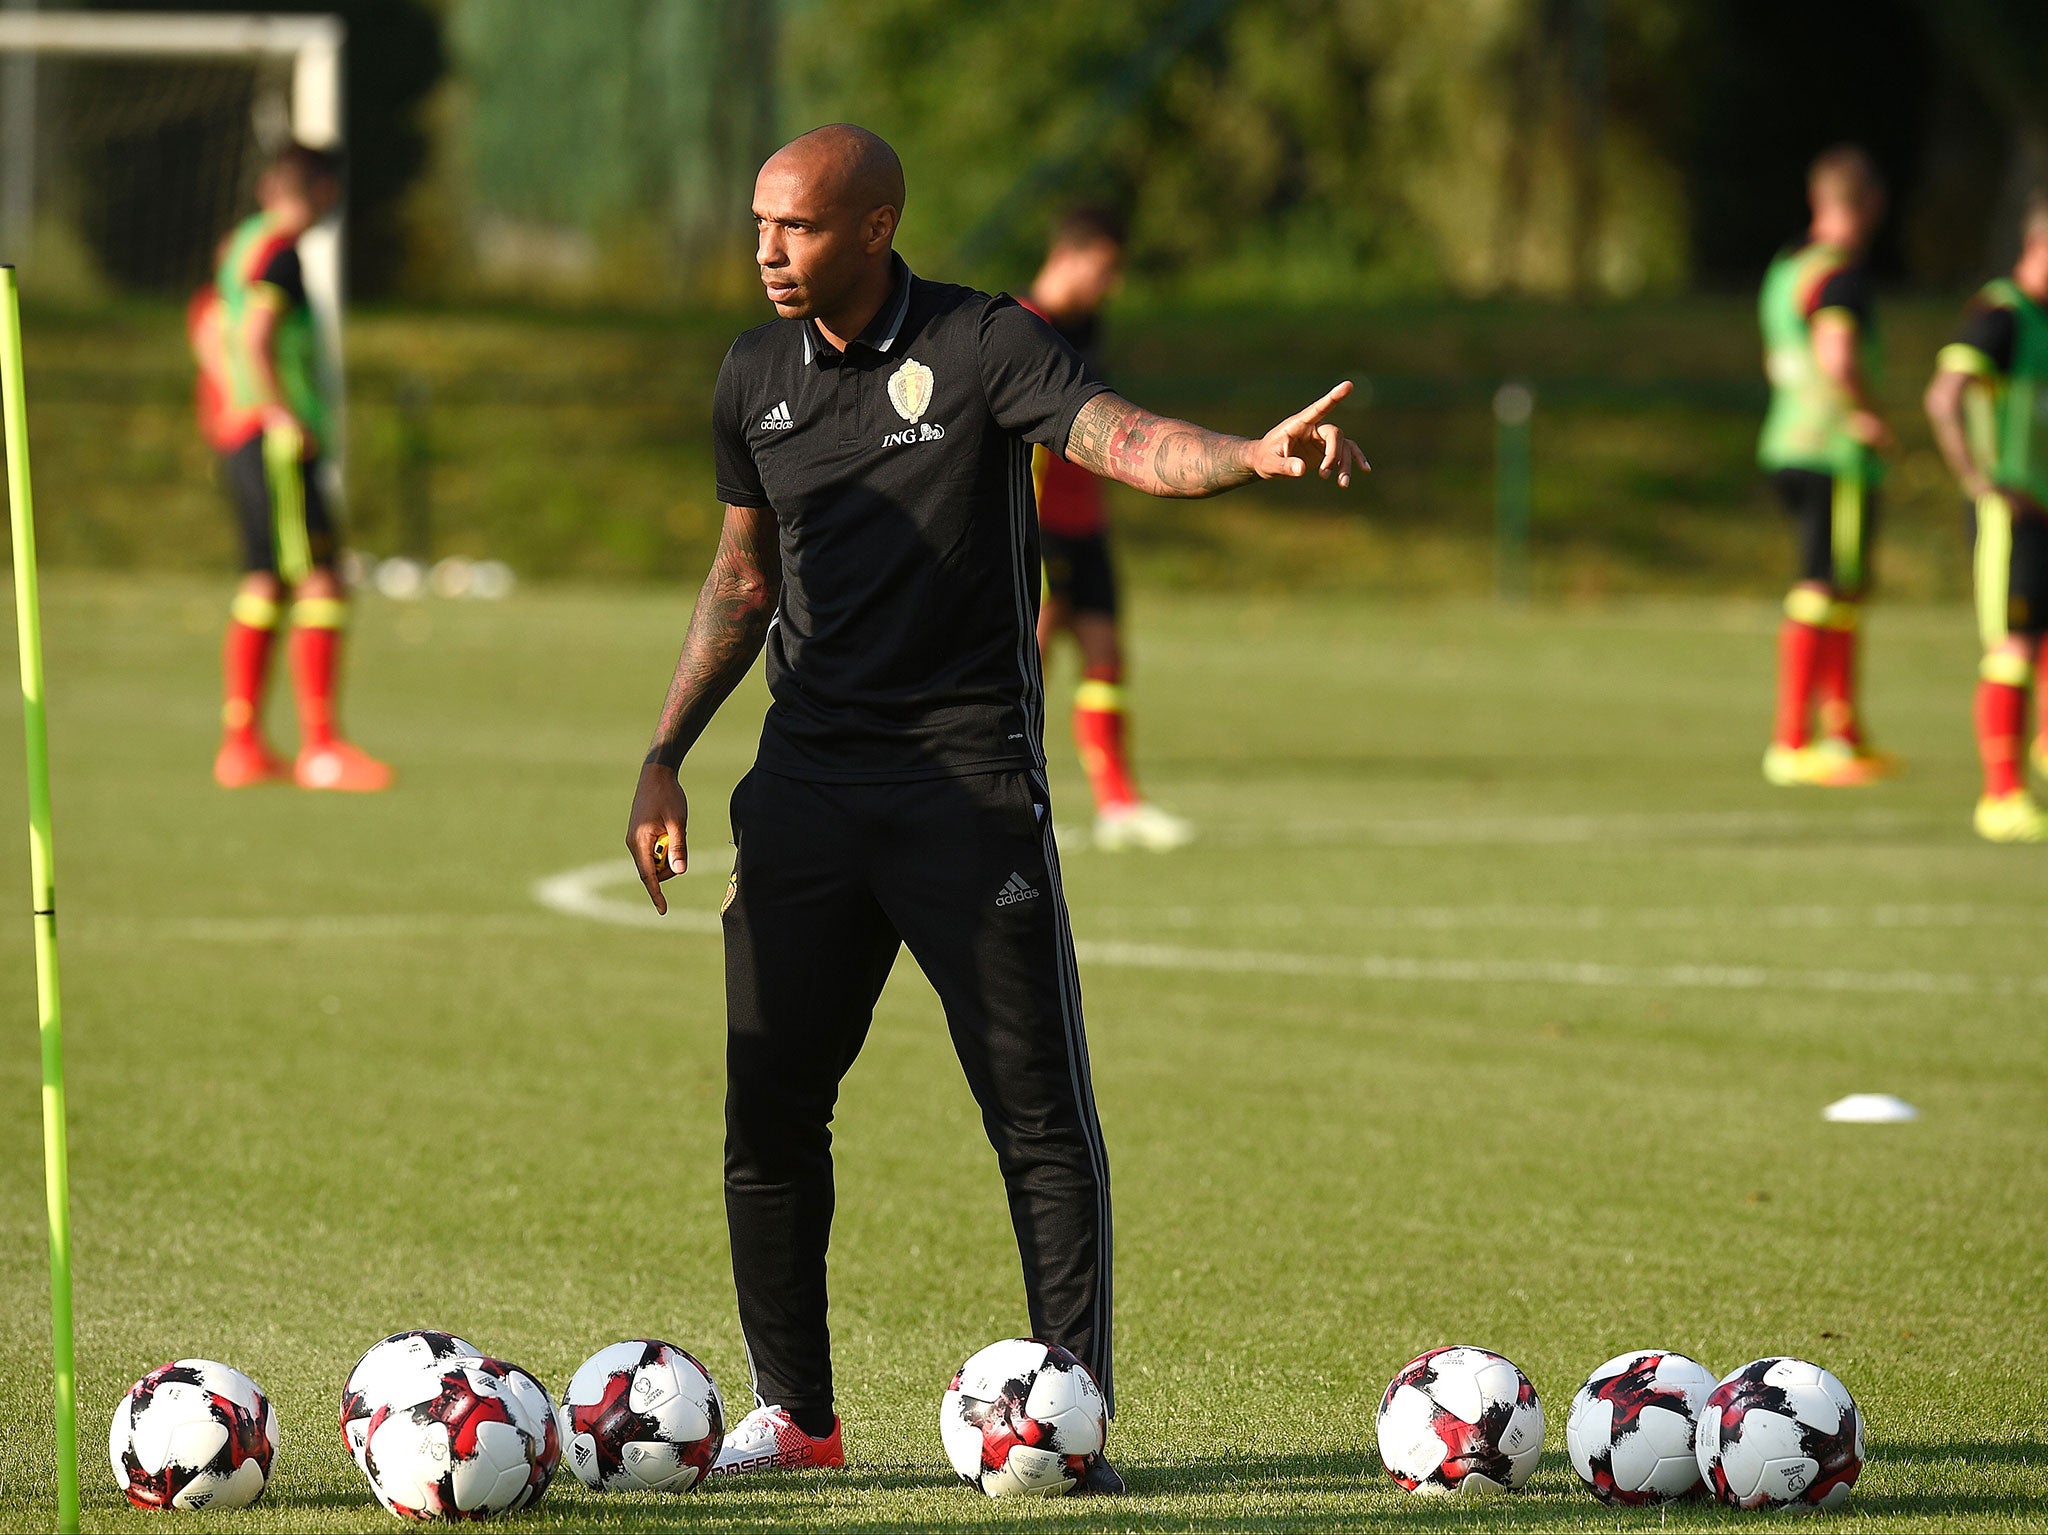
(1286, 452)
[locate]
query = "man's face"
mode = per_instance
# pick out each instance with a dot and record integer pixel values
(2032, 270)
(1849, 219)
(1095, 269)
(299, 205)
(811, 253)
(1864, 215)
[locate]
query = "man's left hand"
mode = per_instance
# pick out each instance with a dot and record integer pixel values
(1285, 452)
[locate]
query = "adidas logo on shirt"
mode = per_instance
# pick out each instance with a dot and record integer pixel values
(778, 419)
(1015, 889)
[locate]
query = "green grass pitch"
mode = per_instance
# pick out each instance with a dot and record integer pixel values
(1498, 1004)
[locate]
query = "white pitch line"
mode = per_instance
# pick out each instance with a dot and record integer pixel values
(582, 893)
(579, 892)
(1549, 830)
(1381, 967)
(1580, 918)
(609, 892)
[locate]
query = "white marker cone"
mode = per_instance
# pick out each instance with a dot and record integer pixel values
(1870, 1109)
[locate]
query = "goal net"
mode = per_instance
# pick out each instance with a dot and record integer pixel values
(130, 143)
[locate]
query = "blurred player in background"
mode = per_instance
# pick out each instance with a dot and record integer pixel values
(1989, 406)
(1820, 445)
(257, 345)
(1081, 270)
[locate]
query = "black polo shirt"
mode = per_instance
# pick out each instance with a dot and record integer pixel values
(905, 643)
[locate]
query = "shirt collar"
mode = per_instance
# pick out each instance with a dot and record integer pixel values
(883, 329)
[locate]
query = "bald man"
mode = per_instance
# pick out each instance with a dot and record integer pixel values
(873, 450)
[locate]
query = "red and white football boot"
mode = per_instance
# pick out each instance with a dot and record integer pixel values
(767, 1439)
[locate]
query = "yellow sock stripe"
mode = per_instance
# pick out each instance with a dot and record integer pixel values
(282, 468)
(1099, 696)
(2003, 666)
(320, 613)
(1960, 357)
(1804, 605)
(254, 612)
(1843, 616)
(1994, 568)
(1848, 530)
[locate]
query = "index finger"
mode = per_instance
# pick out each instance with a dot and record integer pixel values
(1321, 408)
(644, 864)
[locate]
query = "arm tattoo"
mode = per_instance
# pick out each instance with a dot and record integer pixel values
(1156, 454)
(726, 630)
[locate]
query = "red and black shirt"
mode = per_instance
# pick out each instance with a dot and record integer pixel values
(1070, 501)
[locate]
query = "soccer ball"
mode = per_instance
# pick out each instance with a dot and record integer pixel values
(400, 1355)
(1630, 1431)
(1023, 1419)
(642, 1417)
(193, 1434)
(465, 1438)
(1780, 1433)
(1460, 1420)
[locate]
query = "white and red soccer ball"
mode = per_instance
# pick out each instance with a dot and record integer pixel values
(193, 1434)
(1780, 1433)
(381, 1367)
(466, 1438)
(1461, 1420)
(1023, 1419)
(1630, 1429)
(642, 1416)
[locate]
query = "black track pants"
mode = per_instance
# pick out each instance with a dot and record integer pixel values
(830, 879)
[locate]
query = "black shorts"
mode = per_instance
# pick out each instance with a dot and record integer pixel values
(1835, 523)
(278, 540)
(2011, 567)
(1078, 572)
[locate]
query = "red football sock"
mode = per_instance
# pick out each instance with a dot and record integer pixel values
(244, 662)
(1099, 733)
(1835, 679)
(1799, 648)
(2041, 722)
(316, 657)
(2001, 725)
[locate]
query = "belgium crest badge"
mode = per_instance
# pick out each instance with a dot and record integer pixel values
(910, 390)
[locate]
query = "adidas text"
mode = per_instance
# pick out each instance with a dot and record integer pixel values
(778, 419)
(1015, 889)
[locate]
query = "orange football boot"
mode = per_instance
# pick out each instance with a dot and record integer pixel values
(342, 767)
(245, 760)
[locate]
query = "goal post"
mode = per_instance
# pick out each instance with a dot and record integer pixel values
(306, 50)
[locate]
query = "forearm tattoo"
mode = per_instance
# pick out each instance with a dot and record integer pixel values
(726, 631)
(1156, 454)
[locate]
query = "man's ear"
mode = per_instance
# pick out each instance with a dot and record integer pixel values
(881, 228)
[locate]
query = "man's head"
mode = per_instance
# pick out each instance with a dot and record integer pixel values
(2031, 271)
(300, 186)
(826, 206)
(1847, 195)
(1085, 261)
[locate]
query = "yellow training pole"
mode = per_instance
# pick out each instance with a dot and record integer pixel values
(43, 898)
